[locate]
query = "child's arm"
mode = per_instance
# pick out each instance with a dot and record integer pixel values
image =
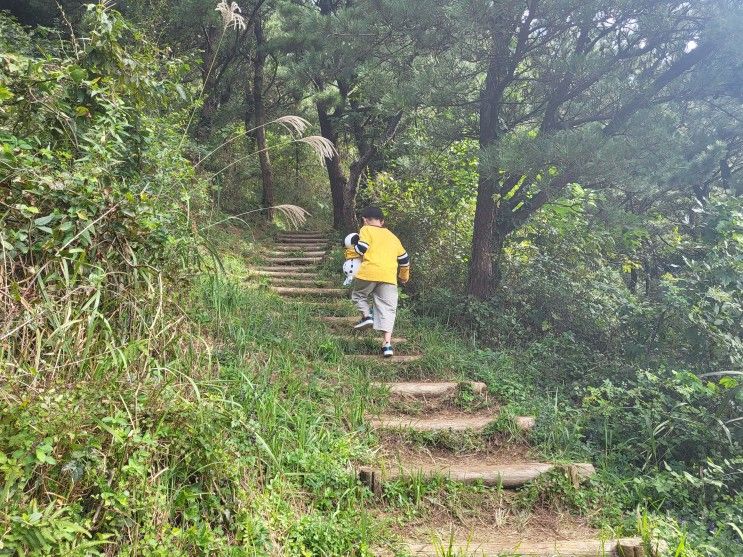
(362, 244)
(403, 260)
(349, 243)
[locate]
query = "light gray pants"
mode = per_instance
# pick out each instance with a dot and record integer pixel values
(384, 296)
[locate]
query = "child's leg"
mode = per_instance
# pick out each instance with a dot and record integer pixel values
(385, 309)
(360, 295)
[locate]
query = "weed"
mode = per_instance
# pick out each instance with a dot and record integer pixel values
(467, 399)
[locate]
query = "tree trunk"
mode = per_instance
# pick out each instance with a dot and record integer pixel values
(367, 152)
(480, 283)
(333, 165)
(335, 172)
(481, 260)
(259, 111)
(632, 280)
(209, 108)
(350, 222)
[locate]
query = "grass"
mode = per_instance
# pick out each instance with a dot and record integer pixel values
(241, 437)
(240, 432)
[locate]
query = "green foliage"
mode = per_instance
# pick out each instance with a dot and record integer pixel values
(96, 193)
(710, 288)
(222, 463)
(659, 419)
(119, 434)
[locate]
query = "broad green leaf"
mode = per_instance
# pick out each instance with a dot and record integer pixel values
(41, 221)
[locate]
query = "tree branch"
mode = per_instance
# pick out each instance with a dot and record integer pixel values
(641, 100)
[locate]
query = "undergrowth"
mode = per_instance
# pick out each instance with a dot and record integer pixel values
(245, 451)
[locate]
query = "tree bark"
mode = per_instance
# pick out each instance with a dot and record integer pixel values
(481, 260)
(367, 151)
(480, 284)
(333, 165)
(209, 108)
(259, 112)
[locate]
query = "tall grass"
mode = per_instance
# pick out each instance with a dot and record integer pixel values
(211, 430)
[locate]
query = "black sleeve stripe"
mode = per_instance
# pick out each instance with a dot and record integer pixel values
(361, 247)
(404, 260)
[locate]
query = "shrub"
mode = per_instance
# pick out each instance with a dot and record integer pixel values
(96, 196)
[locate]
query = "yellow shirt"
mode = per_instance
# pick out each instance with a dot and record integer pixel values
(383, 254)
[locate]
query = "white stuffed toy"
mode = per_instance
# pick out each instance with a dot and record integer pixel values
(353, 260)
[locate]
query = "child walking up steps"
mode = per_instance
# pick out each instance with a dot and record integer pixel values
(384, 261)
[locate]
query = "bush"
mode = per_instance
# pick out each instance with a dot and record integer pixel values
(96, 195)
(662, 417)
(682, 438)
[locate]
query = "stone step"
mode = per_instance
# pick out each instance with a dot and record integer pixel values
(505, 475)
(623, 547)
(335, 303)
(292, 260)
(288, 291)
(371, 339)
(443, 421)
(300, 253)
(287, 274)
(284, 280)
(431, 389)
(435, 423)
(304, 237)
(508, 476)
(303, 241)
(381, 360)
(286, 271)
(303, 233)
(299, 247)
(320, 306)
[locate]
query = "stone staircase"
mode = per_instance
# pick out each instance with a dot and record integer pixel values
(292, 267)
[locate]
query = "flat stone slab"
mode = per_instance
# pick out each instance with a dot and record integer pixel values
(293, 260)
(624, 547)
(434, 423)
(525, 423)
(317, 238)
(371, 339)
(443, 421)
(292, 247)
(508, 476)
(295, 240)
(289, 291)
(303, 233)
(505, 475)
(425, 389)
(285, 271)
(381, 360)
(284, 280)
(303, 253)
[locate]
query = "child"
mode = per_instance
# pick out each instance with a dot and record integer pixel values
(384, 261)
